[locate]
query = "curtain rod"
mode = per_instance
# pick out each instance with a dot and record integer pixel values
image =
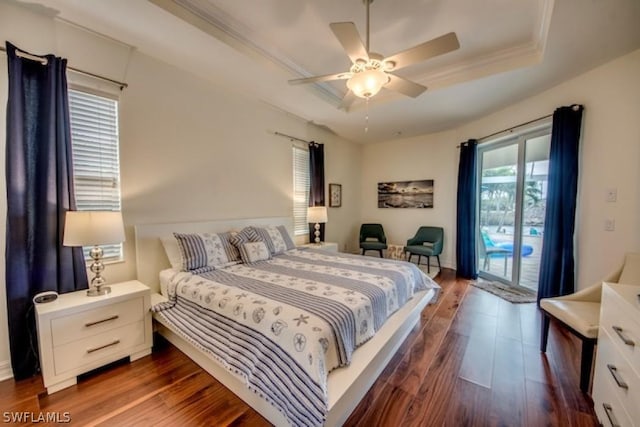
(575, 107)
(510, 129)
(75, 70)
(293, 138)
(515, 127)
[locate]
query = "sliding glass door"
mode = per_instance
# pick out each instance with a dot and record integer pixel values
(512, 202)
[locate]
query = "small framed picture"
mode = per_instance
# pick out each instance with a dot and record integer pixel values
(335, 195)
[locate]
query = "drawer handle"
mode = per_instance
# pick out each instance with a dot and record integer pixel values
(624, 339)
(612, 418)
(616, 376)
(97, 322)
(111, 344)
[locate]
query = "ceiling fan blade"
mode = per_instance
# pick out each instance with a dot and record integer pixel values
(404, 86)
(348, 99)
(438, 46)
(347, 35)
(318, 79)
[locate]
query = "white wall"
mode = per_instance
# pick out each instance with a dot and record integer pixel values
(190, 150)
(610, 156)
(423, 157)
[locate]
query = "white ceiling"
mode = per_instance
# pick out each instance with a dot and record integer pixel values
(509, 50)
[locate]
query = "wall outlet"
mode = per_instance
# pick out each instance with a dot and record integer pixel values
(609, 224)
(611, 195)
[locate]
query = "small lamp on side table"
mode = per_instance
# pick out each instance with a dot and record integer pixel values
(317, 215)
(86, 228)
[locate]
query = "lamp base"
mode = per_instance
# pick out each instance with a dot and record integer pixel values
(98, 290)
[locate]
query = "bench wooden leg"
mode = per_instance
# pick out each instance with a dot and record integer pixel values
(544, 335)
(588, 346)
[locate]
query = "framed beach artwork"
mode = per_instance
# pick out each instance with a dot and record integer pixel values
(335, 195)
(406, 194)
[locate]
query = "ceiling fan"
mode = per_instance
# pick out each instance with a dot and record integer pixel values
(371, 71)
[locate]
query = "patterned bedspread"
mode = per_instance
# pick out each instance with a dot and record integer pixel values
(283, 324)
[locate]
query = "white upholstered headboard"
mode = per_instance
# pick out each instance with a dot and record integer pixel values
(150, 255)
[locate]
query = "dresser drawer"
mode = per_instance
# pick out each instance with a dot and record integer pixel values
(613, 368)
(619, 319)
(608, 408)
(88, 323)
(74, 355)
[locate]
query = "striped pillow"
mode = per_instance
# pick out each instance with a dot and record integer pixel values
(247, 234)
(203, 252)
(276, 237)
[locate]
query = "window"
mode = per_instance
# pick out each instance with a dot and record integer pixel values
(96, 164)
(300, 190)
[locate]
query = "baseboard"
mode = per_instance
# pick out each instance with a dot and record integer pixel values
(5, 370)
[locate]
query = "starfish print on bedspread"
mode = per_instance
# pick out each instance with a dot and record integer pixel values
(301, 319)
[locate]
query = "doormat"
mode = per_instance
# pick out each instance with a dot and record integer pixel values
(514, 294)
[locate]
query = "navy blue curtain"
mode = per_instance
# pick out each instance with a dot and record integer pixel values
(466, 260)
(39, 192)
(316, 182)
(557, 269)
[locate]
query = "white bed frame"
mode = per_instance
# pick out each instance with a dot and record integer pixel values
(346, 386)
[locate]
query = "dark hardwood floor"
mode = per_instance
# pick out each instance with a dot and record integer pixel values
(472, 361)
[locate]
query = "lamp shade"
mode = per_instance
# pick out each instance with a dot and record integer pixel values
(366, 84)
(85, 228)
(317, 214)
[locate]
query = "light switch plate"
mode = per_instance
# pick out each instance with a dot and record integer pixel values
(609, 224)
(611, 195)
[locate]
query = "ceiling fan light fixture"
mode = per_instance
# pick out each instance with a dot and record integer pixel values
(368, 83)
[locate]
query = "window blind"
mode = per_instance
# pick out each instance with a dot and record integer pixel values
(96, 164)
(300, 190)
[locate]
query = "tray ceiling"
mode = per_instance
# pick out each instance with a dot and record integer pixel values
(509, 50)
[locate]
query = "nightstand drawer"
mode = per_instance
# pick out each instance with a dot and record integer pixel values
(91, 322)
(100, 346)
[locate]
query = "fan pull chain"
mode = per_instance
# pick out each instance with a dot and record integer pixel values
(366, 116)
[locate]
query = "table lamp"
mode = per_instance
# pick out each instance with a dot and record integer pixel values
(317, 215)
(87, 228)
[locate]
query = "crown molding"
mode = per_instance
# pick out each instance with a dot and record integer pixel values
(215, 22)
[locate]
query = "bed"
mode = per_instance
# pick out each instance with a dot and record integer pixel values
(181, 295)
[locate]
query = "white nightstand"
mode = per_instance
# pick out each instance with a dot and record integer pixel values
(78, 333)
(325, 246)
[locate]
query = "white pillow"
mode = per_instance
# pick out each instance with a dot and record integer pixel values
(172, 250)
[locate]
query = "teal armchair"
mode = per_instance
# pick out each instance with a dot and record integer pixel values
(428, 242)
(372, 238)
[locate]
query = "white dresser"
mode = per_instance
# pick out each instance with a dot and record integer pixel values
(616, 382)
(78, 333)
